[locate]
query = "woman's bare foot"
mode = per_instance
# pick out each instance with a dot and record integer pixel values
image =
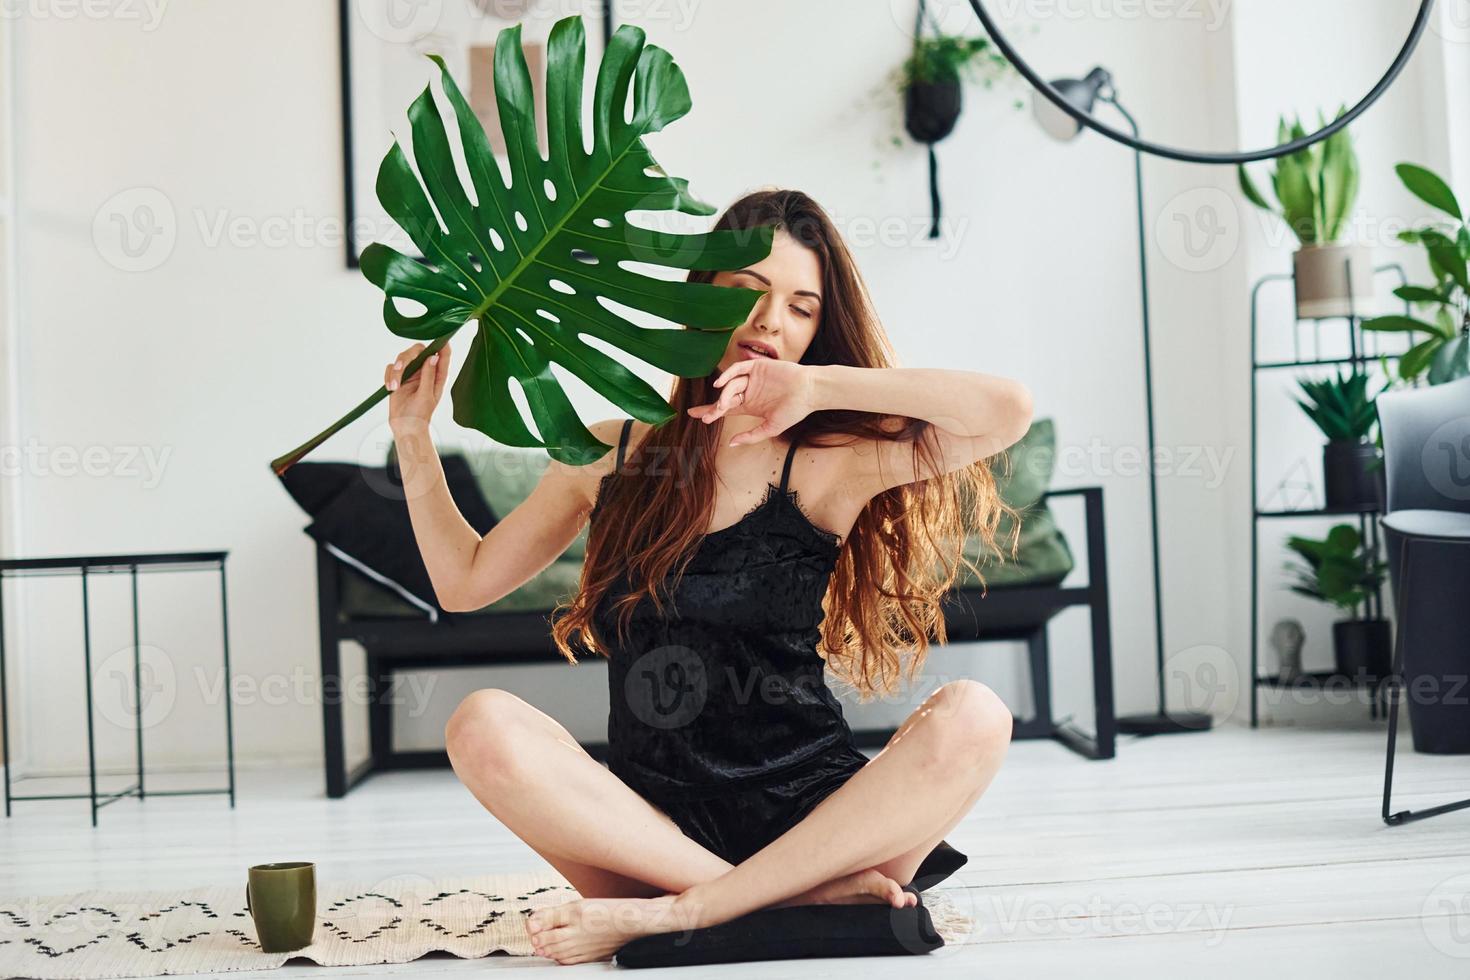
(870, 886)
(594, 928)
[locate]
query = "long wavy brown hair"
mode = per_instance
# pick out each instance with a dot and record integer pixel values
(902, 555)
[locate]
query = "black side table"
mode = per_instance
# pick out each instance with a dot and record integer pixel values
(86, 566)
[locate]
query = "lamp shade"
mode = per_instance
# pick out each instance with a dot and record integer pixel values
(1080, 93)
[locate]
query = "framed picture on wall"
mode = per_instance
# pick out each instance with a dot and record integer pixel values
(383, 69)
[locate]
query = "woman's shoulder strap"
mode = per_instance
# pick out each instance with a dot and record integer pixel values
(790, 455)
(623, 441)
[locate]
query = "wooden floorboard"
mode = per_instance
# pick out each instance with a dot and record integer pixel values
(1225, 853)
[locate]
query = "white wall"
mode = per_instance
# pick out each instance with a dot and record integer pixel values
(231, 351)
(189, 376)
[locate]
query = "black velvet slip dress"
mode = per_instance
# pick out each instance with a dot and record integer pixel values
(719, 713)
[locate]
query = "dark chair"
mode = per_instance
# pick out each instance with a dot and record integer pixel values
(1426, 443)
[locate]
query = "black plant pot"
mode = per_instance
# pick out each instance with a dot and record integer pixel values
(1351, 474)
(931, 109)
(1435, 622)
(1363, 648)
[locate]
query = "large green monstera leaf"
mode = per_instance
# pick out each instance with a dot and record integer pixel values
(530, 263)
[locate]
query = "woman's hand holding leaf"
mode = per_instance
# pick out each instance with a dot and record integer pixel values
(412, 400)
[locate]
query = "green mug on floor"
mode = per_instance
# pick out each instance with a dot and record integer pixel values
(281, 898)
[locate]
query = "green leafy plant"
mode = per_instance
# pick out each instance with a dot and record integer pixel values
(1341, 406)
(1445, 354)
(936, 58)
(1316, 187)
(951, 57)
(1337, 570)
(530, 263)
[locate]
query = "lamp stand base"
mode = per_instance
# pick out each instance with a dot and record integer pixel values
(1165, 723)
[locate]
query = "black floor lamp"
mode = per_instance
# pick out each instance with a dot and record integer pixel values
(1084, 93)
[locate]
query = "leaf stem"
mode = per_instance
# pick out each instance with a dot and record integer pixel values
(281, 464)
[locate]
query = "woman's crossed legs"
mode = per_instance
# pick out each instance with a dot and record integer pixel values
(640, 874)
(603, 837)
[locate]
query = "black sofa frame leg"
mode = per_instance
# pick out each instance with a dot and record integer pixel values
(333, 686)
(1038, 657)
(334, 750)
(380, 713)
(1103, 743)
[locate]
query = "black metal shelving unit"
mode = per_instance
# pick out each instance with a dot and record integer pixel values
(1358, 356)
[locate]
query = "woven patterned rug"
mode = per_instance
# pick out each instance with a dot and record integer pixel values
(103, 934)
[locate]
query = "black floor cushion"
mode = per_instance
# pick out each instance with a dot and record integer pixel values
(938, 865)
(798, 932)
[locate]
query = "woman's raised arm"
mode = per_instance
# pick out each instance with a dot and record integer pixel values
(469, 572)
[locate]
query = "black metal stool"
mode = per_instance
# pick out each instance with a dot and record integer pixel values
(1426, 456)
(86, 566)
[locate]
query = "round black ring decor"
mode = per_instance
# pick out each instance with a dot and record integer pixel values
(1421, 21)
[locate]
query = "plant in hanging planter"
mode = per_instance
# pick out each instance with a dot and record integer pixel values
(1445, 354)
(529, 264)
(931, 80)
(931, 83)
(1341, 571)
(1317, 188)
(1351, 464)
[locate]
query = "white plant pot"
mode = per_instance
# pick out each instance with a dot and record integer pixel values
(1324, 285)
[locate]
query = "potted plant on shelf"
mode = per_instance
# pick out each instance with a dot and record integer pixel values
(1317, 188)
(1352, 470)
(1445, 354)
(1340, 571)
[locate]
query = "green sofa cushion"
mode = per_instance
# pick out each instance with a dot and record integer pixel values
(1042, 555)
(506, 476)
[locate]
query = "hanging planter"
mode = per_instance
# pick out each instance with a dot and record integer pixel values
(931, 81)
(930, 109)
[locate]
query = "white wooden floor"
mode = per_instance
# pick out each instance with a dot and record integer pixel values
(1230, 853)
